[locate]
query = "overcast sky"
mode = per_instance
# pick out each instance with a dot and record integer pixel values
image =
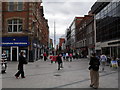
(63, 13)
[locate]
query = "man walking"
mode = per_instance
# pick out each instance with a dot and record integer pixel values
(59, 60)
(103, 60)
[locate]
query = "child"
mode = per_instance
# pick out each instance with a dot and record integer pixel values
(114, 63)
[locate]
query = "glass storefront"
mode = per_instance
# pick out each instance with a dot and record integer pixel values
(108, 22)
(108, 28)
(111, 51)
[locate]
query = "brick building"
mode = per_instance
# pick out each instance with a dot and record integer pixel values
(24, 29)
(71, 33)
(61, 41)
(81, 36)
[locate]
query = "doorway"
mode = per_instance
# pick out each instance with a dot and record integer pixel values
(14, 53)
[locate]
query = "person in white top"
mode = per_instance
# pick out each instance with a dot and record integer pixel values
(103, 60)
(4, 60)
(67, 57)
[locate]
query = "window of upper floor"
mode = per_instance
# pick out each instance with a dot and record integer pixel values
(11, 6)
(15, 25)
(20, 6)
(15, 6)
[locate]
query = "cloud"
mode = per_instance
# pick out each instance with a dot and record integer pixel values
(72, 0)
(63, 13)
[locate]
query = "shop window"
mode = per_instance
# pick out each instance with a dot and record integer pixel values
(15, 25)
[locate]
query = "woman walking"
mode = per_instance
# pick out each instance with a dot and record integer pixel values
(94, 71)
(45, 56)
(22, 61)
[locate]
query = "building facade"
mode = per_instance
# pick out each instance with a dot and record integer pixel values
(51, 46)
(71, 35)
(61, 41)
(107, 33)
(90, 35)
(23, 26)
(68, 39)
(81, 36)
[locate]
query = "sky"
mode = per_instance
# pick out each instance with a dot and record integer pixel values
(63, 12)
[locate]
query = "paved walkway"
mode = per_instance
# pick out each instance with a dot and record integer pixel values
(43, 74)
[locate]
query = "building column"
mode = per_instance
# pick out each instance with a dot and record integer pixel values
(17, 53)
(11, 54)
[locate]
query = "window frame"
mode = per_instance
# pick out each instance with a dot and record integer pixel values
(10, 5)
(19, 3)
(13, 24)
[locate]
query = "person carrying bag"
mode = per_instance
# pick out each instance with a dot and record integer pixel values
(94, 71)
(22, 61)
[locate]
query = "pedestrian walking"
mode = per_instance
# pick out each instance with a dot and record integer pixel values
(45, 56)
(22, 61)
(41, 56)
(103, 60)
(4, 62)
(108, 60)
(94, 71)
(67, 57)
(59, 60)
(64, 55)
(114, 63)
(71, 56)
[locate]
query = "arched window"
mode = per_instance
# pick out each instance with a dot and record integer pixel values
(15, 25)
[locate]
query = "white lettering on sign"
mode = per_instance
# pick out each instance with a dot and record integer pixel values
(15, 43)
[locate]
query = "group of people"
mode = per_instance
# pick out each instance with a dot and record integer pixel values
(94, 63)
(67, 56)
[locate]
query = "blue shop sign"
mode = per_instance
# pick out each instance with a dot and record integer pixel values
(15, 41)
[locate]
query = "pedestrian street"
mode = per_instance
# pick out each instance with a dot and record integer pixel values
(43, 74)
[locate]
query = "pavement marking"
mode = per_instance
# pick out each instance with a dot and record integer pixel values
(87, 79)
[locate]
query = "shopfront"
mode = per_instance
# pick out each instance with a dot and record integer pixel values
(14, 45)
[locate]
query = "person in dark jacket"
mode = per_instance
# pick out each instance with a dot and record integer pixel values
(59, 60)
(94, 71)
(22, 61)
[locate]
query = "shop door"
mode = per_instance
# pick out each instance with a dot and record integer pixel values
(14, 54)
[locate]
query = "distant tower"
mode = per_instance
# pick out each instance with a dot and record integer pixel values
(54, 39)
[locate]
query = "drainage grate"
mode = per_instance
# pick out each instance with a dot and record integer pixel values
(57, 75)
